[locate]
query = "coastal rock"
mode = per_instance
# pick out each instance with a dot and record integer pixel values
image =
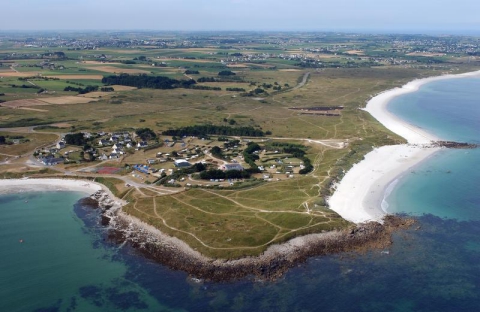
(90, 202)
(270, 265)
(452, 144)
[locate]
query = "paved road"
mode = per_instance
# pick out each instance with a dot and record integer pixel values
(303, 82)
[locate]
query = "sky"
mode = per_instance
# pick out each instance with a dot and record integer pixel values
(408, 16)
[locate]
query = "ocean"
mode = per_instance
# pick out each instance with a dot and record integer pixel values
(65, 264)
(446, 185)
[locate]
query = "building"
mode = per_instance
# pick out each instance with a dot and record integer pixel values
(51, 161)
(227, 167)
(60, 145)
(142, 144)
(117, 146)
(181, 163)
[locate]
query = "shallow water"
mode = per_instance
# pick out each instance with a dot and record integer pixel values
(446, 185)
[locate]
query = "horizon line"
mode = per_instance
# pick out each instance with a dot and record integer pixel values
(369, 31)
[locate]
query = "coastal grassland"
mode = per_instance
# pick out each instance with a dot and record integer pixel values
(116, 186)
(27, 142)
(239, 222)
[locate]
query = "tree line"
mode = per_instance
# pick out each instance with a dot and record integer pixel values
(205, 130)
(249, 157)
(144, 81)
(229, 174)
(87, 89)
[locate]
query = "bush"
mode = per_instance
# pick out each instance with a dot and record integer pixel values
(226, 73)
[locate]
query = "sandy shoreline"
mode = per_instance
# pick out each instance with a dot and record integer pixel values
(44, 185)
(359, 195)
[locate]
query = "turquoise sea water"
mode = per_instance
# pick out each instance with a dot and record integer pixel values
(447, 185)
(64, 263)
(52, 256)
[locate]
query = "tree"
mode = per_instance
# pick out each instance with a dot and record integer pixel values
(192, 72)
(146, 134)
(59, 54)
(75, 139)
(199, 167)
(216, 151)
(226, 73)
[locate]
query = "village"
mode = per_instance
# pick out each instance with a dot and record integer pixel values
(216, 161)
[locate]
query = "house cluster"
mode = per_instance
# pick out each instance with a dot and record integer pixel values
(51, 160)
(250, 57)
(49, 156)
(47, 65)
(116, 143)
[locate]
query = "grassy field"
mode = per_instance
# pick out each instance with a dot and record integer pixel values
(230, 224)
(28, 143)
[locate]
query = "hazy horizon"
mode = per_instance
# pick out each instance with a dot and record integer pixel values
(408, 16)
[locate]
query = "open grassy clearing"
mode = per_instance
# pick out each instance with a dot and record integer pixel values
(232, 223)
(28, 142)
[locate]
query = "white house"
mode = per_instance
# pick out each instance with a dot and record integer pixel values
(117, 146)
(142, 144)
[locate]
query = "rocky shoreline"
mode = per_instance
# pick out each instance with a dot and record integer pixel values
(453, 144)
(270, 265)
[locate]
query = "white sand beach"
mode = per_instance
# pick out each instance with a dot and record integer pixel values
(34, 185)
(359, 195)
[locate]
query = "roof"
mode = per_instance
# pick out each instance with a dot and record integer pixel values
(181, 163)
(232, 167)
